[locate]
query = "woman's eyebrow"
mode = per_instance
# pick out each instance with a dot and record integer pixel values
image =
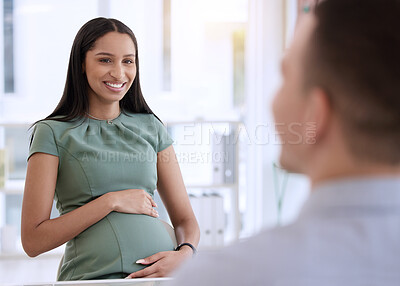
(111, 55)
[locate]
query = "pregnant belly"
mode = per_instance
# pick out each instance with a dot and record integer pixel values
(114, 244)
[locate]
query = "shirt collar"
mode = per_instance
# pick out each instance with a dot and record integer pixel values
(354, 193)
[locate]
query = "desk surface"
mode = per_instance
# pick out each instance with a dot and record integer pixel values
(108, 282)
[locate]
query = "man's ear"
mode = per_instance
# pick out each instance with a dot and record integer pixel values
(319, 112)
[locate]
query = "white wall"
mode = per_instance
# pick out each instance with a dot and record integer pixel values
(44, 32)
(266, 45)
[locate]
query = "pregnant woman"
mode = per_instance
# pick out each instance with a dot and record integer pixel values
(101, 154)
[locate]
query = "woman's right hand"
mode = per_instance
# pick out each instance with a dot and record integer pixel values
(133, 201)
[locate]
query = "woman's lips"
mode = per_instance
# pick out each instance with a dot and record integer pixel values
(115, 86)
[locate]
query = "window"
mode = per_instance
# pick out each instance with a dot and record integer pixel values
(167, 45)
(8, 30)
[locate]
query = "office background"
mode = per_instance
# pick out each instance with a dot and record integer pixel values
(209, 70)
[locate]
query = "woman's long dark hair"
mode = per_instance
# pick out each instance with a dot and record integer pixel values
(74, 102)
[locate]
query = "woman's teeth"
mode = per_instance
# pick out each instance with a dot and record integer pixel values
(114, 85)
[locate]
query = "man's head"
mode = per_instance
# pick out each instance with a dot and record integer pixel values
(341, 78)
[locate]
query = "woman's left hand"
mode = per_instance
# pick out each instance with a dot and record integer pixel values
(162, 263)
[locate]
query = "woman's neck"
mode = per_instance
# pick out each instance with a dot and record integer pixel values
(104, 113)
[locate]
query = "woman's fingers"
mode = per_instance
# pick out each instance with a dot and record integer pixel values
(160, 264)
(150, 207)
(153, 213)
(151, 259)
(149, 210)
(151, 270)
(147, 204)
(152, 202)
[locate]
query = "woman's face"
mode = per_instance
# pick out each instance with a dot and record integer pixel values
(110, 68)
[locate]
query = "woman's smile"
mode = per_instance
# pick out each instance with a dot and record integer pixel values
(115, 86)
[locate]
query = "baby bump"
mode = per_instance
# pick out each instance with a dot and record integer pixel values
(139, 236)
(115, 243)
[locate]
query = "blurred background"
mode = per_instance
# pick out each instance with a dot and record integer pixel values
(209, 69)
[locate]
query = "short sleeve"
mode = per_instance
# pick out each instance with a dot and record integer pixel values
(164, 140)
(43, 140)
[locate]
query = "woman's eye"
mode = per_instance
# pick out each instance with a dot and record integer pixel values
(128, 61)
(105, 60)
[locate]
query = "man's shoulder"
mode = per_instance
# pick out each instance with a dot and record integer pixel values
(348, 230)
(244, 263)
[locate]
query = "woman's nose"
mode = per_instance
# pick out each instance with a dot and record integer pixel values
(117, 71)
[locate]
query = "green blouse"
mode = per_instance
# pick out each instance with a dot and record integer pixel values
(97, 157)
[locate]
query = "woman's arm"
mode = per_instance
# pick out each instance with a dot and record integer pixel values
(39, 233)
(173, 193)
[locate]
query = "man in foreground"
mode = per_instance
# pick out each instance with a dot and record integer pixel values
(342, 73)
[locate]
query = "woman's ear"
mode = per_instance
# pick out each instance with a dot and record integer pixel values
(319, 112)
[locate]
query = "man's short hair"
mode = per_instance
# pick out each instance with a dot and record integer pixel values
(354, 55)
